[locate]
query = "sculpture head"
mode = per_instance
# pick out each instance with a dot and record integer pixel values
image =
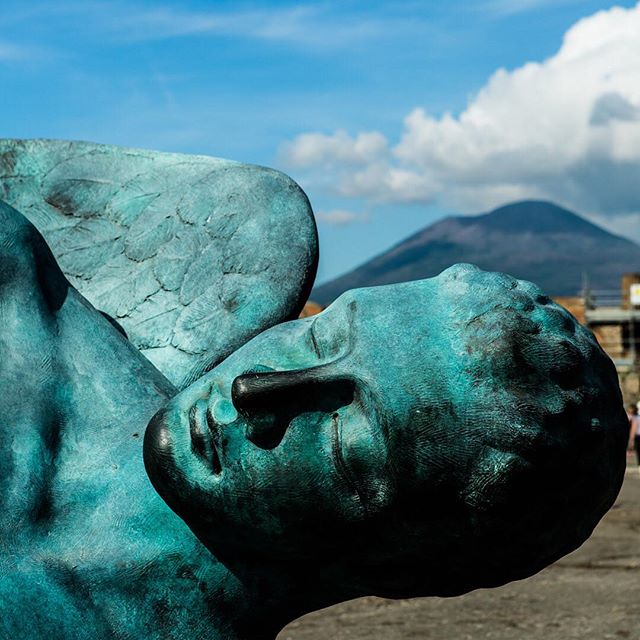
(424, 438)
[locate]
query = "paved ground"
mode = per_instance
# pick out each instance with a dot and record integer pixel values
(592, 594)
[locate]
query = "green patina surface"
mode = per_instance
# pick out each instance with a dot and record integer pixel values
(425, 438)
(192, 255)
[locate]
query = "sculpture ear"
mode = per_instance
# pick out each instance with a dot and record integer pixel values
(270, 401)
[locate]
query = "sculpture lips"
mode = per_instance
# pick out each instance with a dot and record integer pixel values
(202, 440)
(214, 430)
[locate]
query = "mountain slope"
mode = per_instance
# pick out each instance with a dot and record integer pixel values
(532, 240)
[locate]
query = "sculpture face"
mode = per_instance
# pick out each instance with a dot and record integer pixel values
(288, 434)
(386, 433)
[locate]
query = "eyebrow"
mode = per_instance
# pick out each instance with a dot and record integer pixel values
(350, 315)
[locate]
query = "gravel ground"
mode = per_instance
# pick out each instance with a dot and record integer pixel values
(594, 593)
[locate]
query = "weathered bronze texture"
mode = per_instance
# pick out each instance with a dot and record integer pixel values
(425, 438)
(191, 255)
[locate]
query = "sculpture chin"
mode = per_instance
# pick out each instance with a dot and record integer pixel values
(158, 453)
(163, 463)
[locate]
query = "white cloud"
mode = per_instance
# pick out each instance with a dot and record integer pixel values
(317, 149)
(141, 23)
(612, 106)
(566, 128)
(341, 217)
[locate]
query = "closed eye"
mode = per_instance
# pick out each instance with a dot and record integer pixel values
(339, 462)
(314, 341)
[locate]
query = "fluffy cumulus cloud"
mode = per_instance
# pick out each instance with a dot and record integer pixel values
(566, 129)
(338, 149)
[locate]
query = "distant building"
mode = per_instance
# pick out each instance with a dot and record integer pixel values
(614, 318)
(310, 309)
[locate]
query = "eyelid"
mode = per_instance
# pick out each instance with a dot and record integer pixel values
(314, 340)
(338, 346)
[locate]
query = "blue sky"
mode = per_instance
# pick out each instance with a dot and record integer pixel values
(389, 114)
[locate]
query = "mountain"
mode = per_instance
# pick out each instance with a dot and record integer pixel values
(532, 240)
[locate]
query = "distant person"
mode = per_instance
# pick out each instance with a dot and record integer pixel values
(631, 411)
(634, 431)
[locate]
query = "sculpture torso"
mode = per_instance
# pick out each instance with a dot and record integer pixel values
(89, 550)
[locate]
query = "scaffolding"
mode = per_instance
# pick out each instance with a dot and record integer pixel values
(615, 321)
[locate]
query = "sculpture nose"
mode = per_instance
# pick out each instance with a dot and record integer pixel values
(265, 402)
(269, 401)
(258, 391)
